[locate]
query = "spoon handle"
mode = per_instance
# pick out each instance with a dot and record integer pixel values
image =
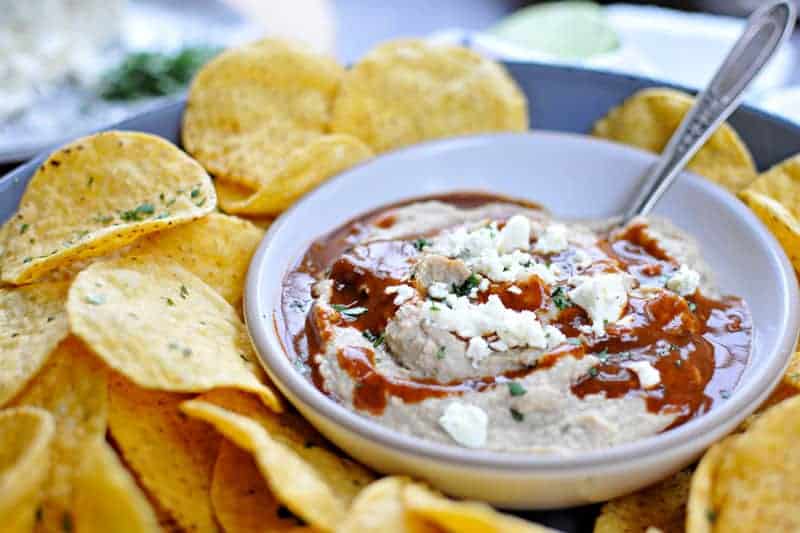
(766, 30)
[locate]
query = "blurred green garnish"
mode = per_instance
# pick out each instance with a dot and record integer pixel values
(143, 74)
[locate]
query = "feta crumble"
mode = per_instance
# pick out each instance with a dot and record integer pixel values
(477, 350)
(438, 290)
(466, 424)
(513, 289)
(684, 281)
(515, 235)
(552, 240)
(404, 293)
(649, 376)
(604, 297)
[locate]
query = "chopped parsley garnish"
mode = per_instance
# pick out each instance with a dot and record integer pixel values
(515, 389)
(603, 356)
(27, 259)
(692, 307)
(201, 202)
(95, 299)
(435, 307)
(440, 352)
(593, 371)
(376, 340)
(184, 292)
(574, 341)
(23, 228)
(560, 298)
(349, 313)
(465, 288)
(170, 301)
(140, 212)
(186, 352)
(90, 181)
(195, 193)
(516, 415)
(421, 243)
(711, 515)
(244, 358)
(103, 219)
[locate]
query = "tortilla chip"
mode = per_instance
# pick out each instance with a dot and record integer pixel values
(661, 506)
(163, 328)
(407, 91)
(313, 482)
(328, 156)
(242, 501)
(379, 508)
(172, 454)
(774, 198)
(98, 194)
(647, 120)
(217, 249)
(72, 387)
(32, 323)
(26, 435)
(107, 497)
(463, 517)
(748, 482)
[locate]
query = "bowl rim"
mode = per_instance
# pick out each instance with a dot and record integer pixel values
(272, 354)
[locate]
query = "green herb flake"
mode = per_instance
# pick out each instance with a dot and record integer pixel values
(140, 212)
(560, 299)
(711, 516)
(184, 292)
(170, 301)
(515, 389)
(349, 313)
(375, 339)
(574, 341)
(465, 288)
(23, 228)
(186, 352)
(692, 307)
(516, 415)
(421, 243)
(244, 358)
(593, 372)
(440, 353)
(90, 181)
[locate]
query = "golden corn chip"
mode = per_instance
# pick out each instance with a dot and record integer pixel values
(407, 91)
(107, 497)
(379, 508)
(253, 108)
(163, 328)
(26, 435)
(217, 249)
(72, 387)
(326, 157)
(172, 454)
(647, 120)
(463, 517)
(661, 506)
(748, 482)
(98, 194)
(32, 323)
(313, 482)
(241, 498)
(774, 197)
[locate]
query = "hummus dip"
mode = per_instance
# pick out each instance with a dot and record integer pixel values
(482, 321)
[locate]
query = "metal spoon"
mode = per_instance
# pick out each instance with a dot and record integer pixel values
(766, 30)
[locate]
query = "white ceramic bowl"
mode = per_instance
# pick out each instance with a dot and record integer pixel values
(574, 176)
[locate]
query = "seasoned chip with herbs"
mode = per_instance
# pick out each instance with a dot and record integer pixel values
(408, 91)
(313, 482)
(26, 435)
(98, 194)
(163, 328)
(33, 321)
(647, 120)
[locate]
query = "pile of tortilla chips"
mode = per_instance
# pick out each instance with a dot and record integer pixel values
(130, 397)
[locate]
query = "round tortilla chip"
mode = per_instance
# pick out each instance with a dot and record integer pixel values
(327, 157)
(163, 328)
(98, 194)
(661, 506)
(33, 321)
(407, 91)
(315, 483)
(26, 434)
(216, 248)
(647, 120)
(379, 508)
(748, 482)
(257, 111)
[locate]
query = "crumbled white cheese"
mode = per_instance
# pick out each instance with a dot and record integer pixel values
(438, 290)
(404, 293)
(515, 235)
(483, 285)
(552, 240)
(604, 297)
(513, 289)
(649, 376)
(477, 350)
(684, 281)
(466, 424)
(468, 319)
(581, 260)
(554, 337)
(498, 346)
